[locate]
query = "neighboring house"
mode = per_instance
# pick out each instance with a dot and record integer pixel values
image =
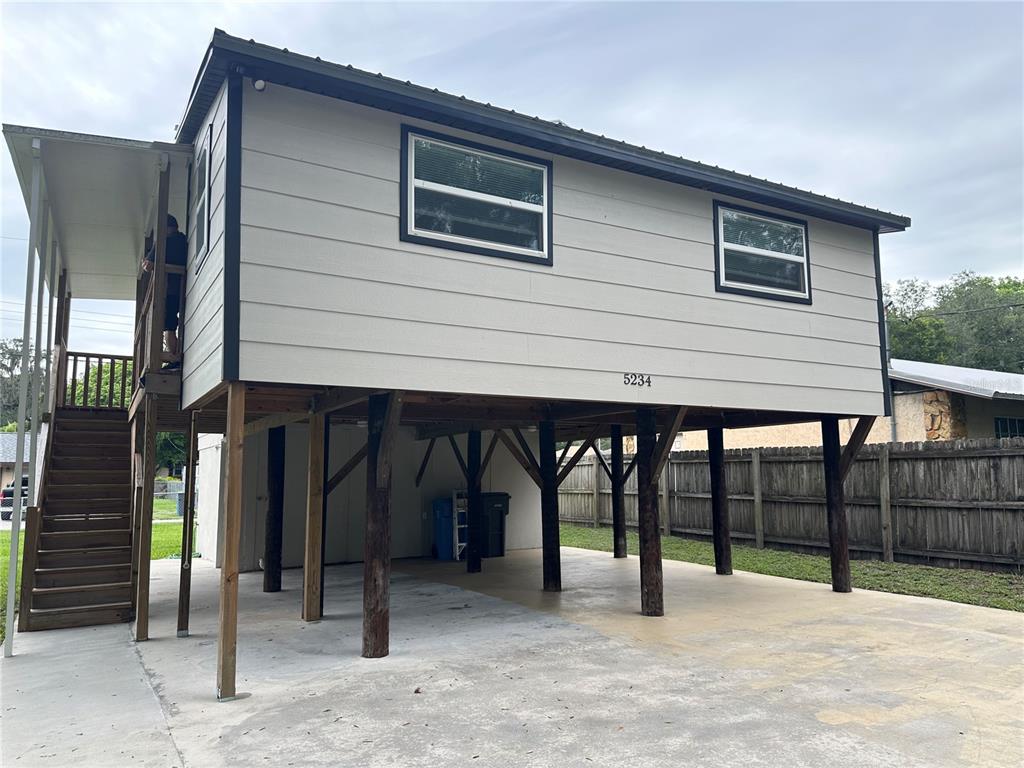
(930, 402)
(375, 265)
(8, 454)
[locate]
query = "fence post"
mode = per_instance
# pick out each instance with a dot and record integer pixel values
(884, 506)
(597, 487)
(755, 482)
(665, 499)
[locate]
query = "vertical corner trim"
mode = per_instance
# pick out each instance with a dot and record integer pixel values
(232, 226)
(882, 345)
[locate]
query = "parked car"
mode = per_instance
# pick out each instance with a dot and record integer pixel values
(7, 497)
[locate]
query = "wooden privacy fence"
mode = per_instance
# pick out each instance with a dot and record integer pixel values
(959, 502)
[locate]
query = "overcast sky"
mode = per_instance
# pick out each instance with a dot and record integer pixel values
(912, 108)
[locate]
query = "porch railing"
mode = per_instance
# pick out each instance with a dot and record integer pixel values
(97, 380)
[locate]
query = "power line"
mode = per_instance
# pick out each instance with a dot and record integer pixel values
(977, 309)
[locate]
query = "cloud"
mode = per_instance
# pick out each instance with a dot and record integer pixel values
(915, 108)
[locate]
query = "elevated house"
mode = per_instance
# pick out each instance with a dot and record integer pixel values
(379, 272)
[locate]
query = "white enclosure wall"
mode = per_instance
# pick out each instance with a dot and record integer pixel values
(330, 295)
(203, 363)
(411, 519)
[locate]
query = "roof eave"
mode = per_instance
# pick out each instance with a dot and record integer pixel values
(227, 53)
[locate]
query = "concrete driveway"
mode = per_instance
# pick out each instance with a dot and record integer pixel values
(488, 670)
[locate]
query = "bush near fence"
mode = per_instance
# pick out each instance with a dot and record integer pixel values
(958, 502)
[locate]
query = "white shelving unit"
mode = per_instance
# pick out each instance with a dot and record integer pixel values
(460, 522)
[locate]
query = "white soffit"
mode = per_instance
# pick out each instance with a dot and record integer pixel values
(102, 195)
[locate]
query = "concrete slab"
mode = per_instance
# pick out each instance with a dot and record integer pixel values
(488, 670)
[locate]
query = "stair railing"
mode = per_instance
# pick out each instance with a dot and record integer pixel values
(105, 381)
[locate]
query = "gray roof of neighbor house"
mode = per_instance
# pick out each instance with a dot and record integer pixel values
(279, 65)
(967, 381)
(9, 447)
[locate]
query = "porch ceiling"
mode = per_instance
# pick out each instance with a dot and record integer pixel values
(102, 194)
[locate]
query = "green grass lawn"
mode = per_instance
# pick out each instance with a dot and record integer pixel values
(166, 543)
(995, 590)
(165, 509)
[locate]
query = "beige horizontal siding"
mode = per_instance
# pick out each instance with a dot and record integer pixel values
(330, 295)
(203, 343)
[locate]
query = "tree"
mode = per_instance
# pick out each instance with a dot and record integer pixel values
(113, 373)
(971, 321)
(170, 451)
(10, 378)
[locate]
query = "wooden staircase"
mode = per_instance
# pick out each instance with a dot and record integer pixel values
(78, 548)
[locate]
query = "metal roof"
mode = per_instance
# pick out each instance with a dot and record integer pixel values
(9, 447)
(966, 381)
(279, 65)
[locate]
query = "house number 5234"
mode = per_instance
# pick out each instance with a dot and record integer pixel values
(636, 379)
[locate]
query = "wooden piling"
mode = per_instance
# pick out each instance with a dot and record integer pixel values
(474, 505)
(618, 494)
(227, 640)
(273, 533)
(188, 524)
(838, 534)
(719, 502)
(312, 563)
(549, 508)
(652, 602)
(383, 413)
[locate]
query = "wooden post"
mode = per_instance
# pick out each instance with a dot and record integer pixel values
(618, 494)
(274, 529)
(311, 565)
(474, 504)
(719, 502)
(838, 536)
(755, 482)
(159, 274)
(227, 639)
(549, 508)
(145, 523)
(324, 474)
(884, 503)
(383, 412)
(188, 524)
(596, 497)
(652, 600)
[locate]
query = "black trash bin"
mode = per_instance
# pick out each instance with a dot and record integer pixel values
(495, 511)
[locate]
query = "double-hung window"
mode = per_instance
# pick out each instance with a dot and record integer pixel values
(761, 254)
(201, 200)
(464, 196)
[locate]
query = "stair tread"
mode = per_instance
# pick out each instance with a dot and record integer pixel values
(82, 608)
(104, 548)
(82, 587)
(54, 570)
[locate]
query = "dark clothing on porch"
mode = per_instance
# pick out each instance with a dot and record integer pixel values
(175, 254)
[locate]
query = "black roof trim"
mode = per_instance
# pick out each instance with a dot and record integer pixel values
(345, 82)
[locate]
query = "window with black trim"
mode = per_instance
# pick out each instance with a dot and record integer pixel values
(201, 200)
(465, 196)
(1009, 426)
(761, 254)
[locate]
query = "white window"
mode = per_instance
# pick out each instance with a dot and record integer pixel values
(1009, 426)
(761, 254)
(482, 200)
(200, 200)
